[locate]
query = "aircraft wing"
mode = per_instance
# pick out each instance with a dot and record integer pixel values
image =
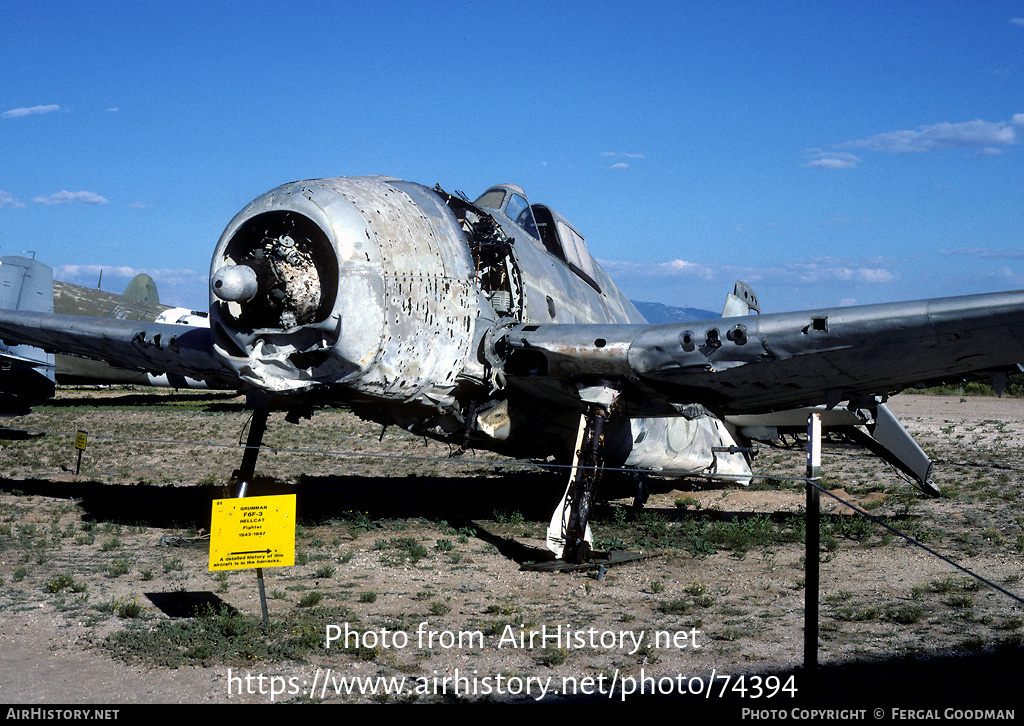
(136, 345)
(773, 362)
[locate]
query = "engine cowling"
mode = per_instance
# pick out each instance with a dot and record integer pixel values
(364, 284)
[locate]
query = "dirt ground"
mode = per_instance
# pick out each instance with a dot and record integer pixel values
(420, 556)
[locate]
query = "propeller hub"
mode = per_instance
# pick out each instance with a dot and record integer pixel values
(235, 283)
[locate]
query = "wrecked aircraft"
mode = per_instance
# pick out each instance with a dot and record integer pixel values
(488, 324)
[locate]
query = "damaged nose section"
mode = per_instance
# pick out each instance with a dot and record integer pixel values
(358, 289)
(273, 292)
(278, 273)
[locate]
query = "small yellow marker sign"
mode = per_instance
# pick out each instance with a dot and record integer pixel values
(80, 440)
(252, 532)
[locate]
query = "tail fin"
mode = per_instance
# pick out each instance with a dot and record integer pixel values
(142, 289)
(26, 373)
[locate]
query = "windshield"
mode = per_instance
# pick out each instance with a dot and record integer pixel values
(491, 199)
(518, 210)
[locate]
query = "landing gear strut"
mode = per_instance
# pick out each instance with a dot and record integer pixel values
(569, 535)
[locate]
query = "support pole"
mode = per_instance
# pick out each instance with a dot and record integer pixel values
(257, 427)
(812, 543)
(245, 474)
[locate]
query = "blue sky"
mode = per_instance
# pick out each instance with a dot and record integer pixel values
(826, 153)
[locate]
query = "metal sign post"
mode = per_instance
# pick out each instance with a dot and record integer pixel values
(811, 545)
(81, 439)
(245, 475)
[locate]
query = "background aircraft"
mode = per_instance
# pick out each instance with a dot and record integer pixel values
(139, 301)
(28, 374)
(488, 324)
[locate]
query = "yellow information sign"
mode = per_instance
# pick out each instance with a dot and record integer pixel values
(252, 532)
(80, 439)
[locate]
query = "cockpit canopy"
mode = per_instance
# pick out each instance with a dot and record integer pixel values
(510, 200)
(546, 226)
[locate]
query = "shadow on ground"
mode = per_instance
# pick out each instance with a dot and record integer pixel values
(934, 686)
(320, 498)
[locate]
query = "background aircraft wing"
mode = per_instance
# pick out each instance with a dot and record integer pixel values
(761, 363)
(136, 345)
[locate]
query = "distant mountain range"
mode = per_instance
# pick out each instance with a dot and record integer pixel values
(658, 314)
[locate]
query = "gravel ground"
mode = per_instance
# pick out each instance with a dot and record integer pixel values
(421, 556)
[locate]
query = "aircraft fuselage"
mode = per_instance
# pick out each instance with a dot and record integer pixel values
(387, 295)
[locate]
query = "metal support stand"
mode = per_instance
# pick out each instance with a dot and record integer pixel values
(245, 474)
(811, 546)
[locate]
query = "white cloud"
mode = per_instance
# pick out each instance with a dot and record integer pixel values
(66, 197)
(7, 201)
(987, 252)
(819, 159)
(1002, 277)
(20, 112)
(1017, 21)
(619, 165)
(72, 273)
(674, 268)
(842, 220)
(828, 269)
(975, 134)
(821, 271)
(831, 163)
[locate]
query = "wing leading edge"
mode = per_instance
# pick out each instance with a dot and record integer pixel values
(136, 345)
(774, 362)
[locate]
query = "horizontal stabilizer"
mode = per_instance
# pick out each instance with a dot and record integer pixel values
(890, 441)
(872, 426)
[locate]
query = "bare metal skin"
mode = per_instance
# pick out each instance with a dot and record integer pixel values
(488, 324)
